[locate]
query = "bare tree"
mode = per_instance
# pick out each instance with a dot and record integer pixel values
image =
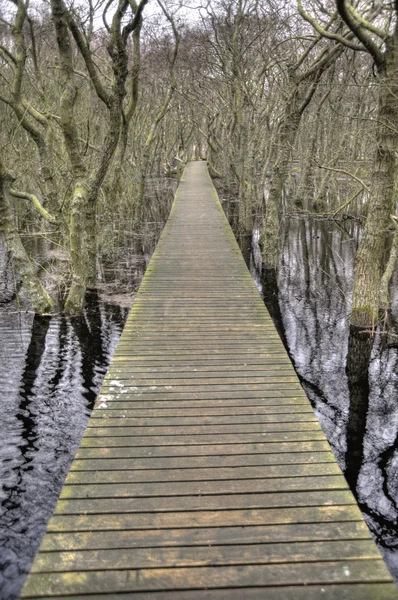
(376, 31)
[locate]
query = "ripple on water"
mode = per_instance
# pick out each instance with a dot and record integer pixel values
(50, 372)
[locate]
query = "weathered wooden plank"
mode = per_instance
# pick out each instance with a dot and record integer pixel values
(277, 449)
(203, 487)
(198, 352)
(358, 591)
(180, 363)
(123, 372)
(110, 440)
(194, 378)
(170, 330)
(199, 383)
(200, 503)
(181, 343)
(199, 556)
(124, 409)
(192, 430)
(229, 518)
(214, 394)
(201, 462)
(106, 419)
(207, 577)
(208, 536)
(202, 474)
(242, 367)
(270, 404)
(211, 388)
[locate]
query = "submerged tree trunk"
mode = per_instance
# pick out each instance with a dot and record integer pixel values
(371, 257)
(41, 301)
(78, 247)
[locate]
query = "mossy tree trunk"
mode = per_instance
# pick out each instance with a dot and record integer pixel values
(381, 43)
(127, 117)
(87, 182)
(371, 256)
(40, 300)
(36, 123)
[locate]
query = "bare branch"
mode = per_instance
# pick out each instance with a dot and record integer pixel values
(336, 170)
(360, 33)
(324, 32)
(35, 203)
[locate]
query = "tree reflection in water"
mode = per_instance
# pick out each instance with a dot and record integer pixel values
(349, 376)
(50, 372)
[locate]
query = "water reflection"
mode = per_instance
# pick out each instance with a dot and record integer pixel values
(50, 372)
(350, 377)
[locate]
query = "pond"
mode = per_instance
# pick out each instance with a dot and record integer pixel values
(350, 377)
(51, 370)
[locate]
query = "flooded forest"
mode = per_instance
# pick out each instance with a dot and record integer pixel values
(294, 106)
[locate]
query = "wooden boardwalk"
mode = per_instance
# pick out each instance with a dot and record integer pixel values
(203, 472)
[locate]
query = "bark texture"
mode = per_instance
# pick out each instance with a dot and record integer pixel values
(371, 256)
(40, 300)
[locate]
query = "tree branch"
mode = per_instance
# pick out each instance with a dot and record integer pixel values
(136, 20)
(367, 24)
(360, 33)
(336, 170)
(35, 203)
(85, 51)
(324, 32)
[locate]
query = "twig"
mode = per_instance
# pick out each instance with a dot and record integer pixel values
(336, 170)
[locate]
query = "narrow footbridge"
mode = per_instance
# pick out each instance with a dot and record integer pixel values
(203, 472)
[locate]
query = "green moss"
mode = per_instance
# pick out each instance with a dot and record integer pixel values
(363, 316)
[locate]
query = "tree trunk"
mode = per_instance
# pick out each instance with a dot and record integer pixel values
(78, 247)
(371, 258)
(273, 188)
(41, 301)
(91, 241)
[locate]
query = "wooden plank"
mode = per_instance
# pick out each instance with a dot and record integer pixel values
(373, 571)
(202, 488)
(204, 474)
(124, 409)
(212, 388)
(162, 362)
(198, 556)
(217, 394)
(209, 536)
(202, 405)
(359, 591)
(178, 520)
(192, 430)
(201, 462)
(200, 503)
(107, 419)
(193, 367)
(112, 441)
(292, 449)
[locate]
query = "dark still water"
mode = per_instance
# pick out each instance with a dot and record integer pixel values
(350, 377)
